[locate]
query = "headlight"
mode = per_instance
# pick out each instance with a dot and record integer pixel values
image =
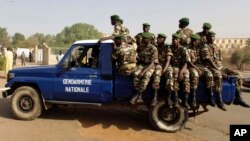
(10, 75)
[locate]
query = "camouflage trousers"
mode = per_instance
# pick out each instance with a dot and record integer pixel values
(217, 76)
(208, 76)
(194, 78)
(127, 69)
(140, 84)
(173, 82)
(157, 77)
(237, 74)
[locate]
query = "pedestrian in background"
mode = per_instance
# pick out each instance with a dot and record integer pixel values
(8, 61)
(23, 58)
(59, 56)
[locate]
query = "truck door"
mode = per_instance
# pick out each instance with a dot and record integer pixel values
(80, 80)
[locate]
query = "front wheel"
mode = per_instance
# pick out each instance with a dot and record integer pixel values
(26, 103)
(168, 119)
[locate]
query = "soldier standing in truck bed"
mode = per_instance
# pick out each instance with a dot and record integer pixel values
(184, 31)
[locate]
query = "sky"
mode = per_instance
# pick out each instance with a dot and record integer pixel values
(229, 18)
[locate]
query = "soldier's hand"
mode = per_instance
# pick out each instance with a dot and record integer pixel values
(99, 41)
(181, 76)
(140, 74)
(200, 72)
(224, 75)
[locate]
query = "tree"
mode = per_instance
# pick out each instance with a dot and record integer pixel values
(78, 31)
(240, 58)
(4, 38)
(248, 43)
(17, 39)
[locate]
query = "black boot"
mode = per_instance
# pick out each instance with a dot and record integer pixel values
(168, 99)
(136, 98)
(193, 98)
(220, 103)
(211, 97)
(185, 101)
(238, 99)
(176, 99)
(154, 101)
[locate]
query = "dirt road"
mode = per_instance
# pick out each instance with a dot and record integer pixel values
(113, 124)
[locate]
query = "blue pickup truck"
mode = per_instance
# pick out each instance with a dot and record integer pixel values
(74, 80)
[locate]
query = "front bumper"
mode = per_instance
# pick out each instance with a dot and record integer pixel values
(5, 91)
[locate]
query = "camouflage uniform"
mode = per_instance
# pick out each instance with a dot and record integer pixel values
(146, 55)
(203, 36)
(179, 58)
(162, 55)
(218, 60)
(209, 52)
(185, 33)
(125, 55)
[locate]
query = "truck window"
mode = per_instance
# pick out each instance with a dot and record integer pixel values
(85, 56)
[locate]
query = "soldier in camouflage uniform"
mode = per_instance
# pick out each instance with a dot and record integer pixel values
(125, 56)
(226, 71)
(147, 58)
(145, 28)
(118, 29)
(179, 70)
(196, 69)
(204, 33)
(162, 55)
(209, 54)
(184, 31)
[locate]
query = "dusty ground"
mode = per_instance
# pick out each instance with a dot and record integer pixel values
(112, 124)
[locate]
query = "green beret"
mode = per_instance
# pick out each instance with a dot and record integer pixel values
(146, 35)
(176, 35)
(115, 17)
(119, 37)
(162, 35)
(207, 25)
(184, 20)
(146, 24)
(211, 33)
(196, 37)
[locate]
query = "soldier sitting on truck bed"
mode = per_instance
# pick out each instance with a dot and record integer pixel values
(179, 71)
(226, 71)
(162, 55)
(147, 58)
(124, 55)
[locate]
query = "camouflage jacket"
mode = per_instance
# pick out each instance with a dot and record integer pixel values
(213, 52)
(147, 54)
(194, 55)
(124, 54)
(180, 56)
(120, 29)
(203, 39)
(185, 33)
(163, 52)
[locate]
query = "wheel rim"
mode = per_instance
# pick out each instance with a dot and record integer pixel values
(168, 115)
(26, 103)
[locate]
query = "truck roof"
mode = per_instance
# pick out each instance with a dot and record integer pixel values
(92, 41)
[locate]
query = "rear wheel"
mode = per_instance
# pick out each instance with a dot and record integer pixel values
(26, 103)
(168, 119)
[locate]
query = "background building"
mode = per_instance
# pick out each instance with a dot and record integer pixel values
(229, 45)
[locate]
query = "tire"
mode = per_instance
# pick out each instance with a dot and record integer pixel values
(174, 120)
(26, 103)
